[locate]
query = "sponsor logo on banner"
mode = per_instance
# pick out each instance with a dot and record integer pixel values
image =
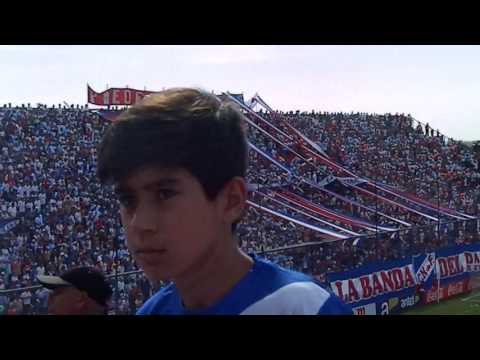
(393, 302)
(384, 308)
(409, 301)
(396, 304)
(374, 284)
(448, 291)
(369, 309)
(455, 289)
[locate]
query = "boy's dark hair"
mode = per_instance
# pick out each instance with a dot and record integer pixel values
(177, 128)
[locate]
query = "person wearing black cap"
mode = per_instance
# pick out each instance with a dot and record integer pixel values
(80, 291)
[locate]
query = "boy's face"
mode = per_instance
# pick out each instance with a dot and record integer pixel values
(170, 224)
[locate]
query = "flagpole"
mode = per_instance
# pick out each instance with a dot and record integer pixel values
(438, 229)
(376, 195)
(438, 283)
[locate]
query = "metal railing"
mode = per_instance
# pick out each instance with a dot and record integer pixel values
(132, 288)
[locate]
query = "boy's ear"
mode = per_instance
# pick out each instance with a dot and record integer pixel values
(234, 196)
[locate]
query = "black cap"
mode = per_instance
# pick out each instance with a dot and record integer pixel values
(83, 278)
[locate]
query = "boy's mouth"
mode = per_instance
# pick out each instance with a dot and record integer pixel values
(149, 255)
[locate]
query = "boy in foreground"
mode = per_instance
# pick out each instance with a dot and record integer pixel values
(178, 162)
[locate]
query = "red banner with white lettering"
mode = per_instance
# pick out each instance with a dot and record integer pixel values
(116, 96)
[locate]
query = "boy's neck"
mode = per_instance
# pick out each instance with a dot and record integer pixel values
(214, 278)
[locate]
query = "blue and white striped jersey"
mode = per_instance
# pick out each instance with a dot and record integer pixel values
(267, 289)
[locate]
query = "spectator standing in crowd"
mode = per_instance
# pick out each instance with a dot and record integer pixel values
(80, 291)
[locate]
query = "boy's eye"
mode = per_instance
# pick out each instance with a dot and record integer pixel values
(164, 194)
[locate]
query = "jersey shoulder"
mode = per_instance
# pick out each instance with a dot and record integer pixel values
(163, 302)
(293, 293)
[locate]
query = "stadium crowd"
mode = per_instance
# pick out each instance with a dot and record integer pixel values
(66, 219)
(48, 183)
(396, 150)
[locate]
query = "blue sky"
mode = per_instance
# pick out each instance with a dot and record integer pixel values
(436, 84)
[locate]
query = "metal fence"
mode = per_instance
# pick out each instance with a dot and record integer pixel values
(131, 289)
